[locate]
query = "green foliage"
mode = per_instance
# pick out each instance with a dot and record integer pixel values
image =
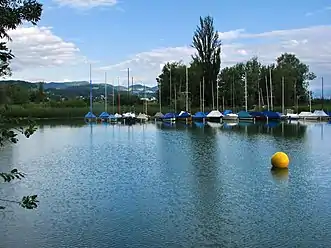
(8, 134)
(14, 174)
(12, 14)
(208, 46)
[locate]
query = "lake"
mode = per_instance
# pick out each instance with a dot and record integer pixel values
(154, 185)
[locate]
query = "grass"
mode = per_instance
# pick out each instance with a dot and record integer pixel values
(44, 111)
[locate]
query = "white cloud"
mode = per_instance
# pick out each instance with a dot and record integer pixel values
(41, 55)
(37, 48)
(86, 4)
(312, 45)
(34, 46)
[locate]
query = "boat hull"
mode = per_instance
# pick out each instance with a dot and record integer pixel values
(230, 118)
(309, 118)
(199, 119)
(250, 119)
(214, 119)
(169, 120)
(128, 120)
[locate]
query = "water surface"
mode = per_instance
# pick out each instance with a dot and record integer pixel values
(170, 186)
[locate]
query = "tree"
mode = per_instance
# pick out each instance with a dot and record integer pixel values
(12, 14)
(296, 77)
(208, 45)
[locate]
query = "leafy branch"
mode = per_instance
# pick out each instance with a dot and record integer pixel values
(9, 135)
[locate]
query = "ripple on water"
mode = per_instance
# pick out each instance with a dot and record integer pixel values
(146, 186)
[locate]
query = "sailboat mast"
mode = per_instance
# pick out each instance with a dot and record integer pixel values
(267, 92)
(160, 102)
(113, 96)
(118, 95)
(170, 89)
(175, 99)
(322, 93)
(105, 91)
(310, 94)
(131, 86)
(217, 105)
(271, 96)
(283, 93)
(203, 94)
(262, 99)
(246, 91)
(186, 107)
(200, 97)
(145, 99)
(91, 108)
(296, 102)
(128, 82)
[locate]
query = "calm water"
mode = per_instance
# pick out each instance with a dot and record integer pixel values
(159, 186)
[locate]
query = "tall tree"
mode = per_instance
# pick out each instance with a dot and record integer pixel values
(208, 46)
(12, 14)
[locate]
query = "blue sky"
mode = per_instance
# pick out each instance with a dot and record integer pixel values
(142, 35)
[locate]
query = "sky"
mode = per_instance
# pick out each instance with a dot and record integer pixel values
(113, 35)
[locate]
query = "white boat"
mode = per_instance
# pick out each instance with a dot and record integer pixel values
(214, 115)
(321, 114)
(292, 116)
(158, 116)
(142, 117)
(307, 116)
(129, 115)
(230, 117)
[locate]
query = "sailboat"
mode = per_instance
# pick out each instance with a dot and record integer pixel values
(90, 116)
(200, 116)
(143, 117)
(244, 115)
(104, 116)
(185, 115)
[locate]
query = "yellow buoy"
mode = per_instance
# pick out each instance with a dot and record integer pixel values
(280, 160)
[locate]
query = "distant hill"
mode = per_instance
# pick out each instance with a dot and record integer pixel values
(63, 85)
(82, 88)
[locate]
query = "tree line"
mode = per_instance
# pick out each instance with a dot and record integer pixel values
(205, 77)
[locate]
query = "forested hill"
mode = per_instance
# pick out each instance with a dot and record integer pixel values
(81, 88)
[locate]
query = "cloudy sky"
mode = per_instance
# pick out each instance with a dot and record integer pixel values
(114, 35)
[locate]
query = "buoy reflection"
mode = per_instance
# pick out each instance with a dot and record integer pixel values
(280, 174)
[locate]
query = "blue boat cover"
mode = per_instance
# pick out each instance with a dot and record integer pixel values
(184, 115)
(272, 115)
(256, 114)
(111, 116)
(90, 115)
(226, 112)
(104, 115)
(199, 115)
(244, 114)
(169, 115)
